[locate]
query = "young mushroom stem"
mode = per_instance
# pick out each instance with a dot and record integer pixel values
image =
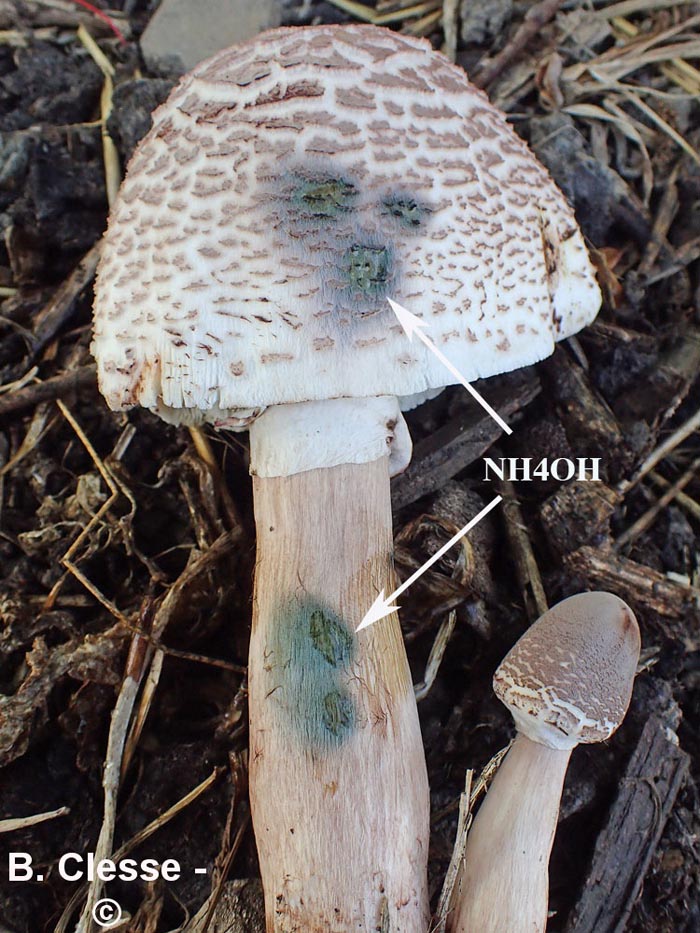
(567, 680)
(337, 773)
(505, 881)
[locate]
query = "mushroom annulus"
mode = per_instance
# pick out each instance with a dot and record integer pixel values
(288, 187)
(568, 680)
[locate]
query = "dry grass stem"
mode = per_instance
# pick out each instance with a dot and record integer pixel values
(41, 423)
(206, 454)
(12, 387)
(121, 717)
(364, 13)
(472, 792)
(409, 12)
(110, 155)
(425, 25)
(685, 75)
(27, 394)
(213, 900)
(662, 222)
(439, 924)
(136, 840)
(437, 653)
(207, 913)
(536, 17)
(67, 559)
(22, 822)
(526, 567)
(450, 28)
(645, 521)
(690, 505)
(148, 693)
(661, 452)
(95, 52)
(630, 7)
(115, 486)
(652, 115)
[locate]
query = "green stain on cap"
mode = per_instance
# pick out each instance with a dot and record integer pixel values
(367, 267)
(324, 197)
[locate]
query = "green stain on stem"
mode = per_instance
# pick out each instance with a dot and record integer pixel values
(310, 659)
(330, 637)
(338, 713)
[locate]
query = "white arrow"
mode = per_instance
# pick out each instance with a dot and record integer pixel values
(383, 606)
(412, 325)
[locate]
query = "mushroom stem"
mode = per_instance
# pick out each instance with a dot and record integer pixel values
(339, 789)
(504, 883)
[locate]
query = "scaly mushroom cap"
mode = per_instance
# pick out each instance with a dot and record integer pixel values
(569, 678)
(289, 186)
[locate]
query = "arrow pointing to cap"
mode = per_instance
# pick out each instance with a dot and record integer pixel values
(383, 606)
(413, 325)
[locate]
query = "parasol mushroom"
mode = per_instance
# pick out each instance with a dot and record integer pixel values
(567, 680)
(288, 187)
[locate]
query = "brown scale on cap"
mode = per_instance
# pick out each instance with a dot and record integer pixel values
(569, 678)
(287, 187)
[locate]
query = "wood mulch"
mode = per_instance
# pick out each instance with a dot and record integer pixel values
(127, 545)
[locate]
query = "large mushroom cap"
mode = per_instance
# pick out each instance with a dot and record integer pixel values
(569, 678)
(289, 186)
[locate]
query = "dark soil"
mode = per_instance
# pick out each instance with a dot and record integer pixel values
(617, 392)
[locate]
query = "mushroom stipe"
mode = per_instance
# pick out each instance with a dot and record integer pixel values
(333, 710)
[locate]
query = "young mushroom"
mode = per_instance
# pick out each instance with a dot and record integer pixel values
(287, 189)
(567, 680)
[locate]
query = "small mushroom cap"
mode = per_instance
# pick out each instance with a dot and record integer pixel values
(569, 678)
(287, 188)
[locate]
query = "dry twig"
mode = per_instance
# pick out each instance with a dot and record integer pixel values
(22, 822)
(47, 390)
(662, 451)
(121, 717)
(526, 568)
(645, 521)
(690, 505)
(62, 304)
(136, 840)
(535, 18)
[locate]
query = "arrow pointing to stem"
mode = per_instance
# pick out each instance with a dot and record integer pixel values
(383, 606)
(412, 325)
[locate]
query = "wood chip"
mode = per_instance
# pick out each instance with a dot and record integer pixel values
(629, 839)
(48, 390)
(637, 584)
(442, 455)
(577, 513)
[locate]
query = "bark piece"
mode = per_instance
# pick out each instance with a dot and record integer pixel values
(642, 586)
(577, 513)
(627, 843)
(446, 452)
(585, 415)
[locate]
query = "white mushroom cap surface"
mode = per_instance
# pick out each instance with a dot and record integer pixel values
(290, 185)
(569, 678)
